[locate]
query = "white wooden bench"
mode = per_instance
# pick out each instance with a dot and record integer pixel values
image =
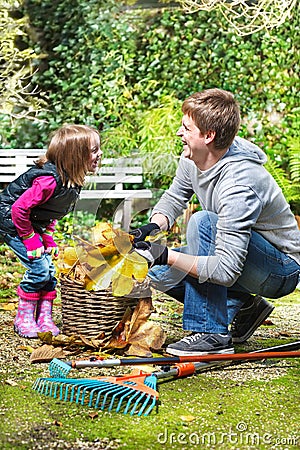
(111, 182)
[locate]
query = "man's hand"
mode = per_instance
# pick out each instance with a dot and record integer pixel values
(34, 246)
(155, 254)
(49, 243)
(141, 233)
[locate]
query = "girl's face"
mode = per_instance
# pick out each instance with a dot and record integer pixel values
(95, 153)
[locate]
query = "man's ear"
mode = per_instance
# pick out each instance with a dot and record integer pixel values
(209, 136)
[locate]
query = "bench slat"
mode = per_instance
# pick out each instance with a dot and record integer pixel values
(113, 172)
(113, 193)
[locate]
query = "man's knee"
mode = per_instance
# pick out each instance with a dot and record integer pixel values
(201, 227)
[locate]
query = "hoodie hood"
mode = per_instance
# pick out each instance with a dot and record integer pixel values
(239, 152)
(242, 149)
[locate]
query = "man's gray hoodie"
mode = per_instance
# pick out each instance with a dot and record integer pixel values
(245, 197)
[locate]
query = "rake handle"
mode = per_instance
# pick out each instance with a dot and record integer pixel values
(183, 359)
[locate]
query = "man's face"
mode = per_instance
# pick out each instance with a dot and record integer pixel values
(192, 139)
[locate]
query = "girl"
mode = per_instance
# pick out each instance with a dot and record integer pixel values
(29, 209)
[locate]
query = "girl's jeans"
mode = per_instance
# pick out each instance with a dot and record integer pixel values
(40, 273)
(210, 308)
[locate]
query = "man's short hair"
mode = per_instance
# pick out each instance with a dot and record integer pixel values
(215, 110)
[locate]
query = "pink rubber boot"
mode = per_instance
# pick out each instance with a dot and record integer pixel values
(24, 323)
(44, 313)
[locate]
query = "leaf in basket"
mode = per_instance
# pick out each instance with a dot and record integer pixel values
(130, 269)
(139, 266)
(121, 284)
(102, 232)
(123, 242)
(70, 256)
(100, 277)
(93, 258)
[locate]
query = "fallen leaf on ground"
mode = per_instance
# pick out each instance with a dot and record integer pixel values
(187, 418)
(46, 353)
(11, 382)
(8, 306)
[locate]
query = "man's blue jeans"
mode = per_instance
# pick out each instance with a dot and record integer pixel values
(210, 308)
(40, 274)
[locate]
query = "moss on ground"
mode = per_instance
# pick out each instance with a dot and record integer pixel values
(196, 412)
(246, 406)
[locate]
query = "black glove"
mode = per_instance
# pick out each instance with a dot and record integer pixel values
(155, 254)
(141, 233)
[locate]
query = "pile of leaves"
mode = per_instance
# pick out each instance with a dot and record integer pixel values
(108, 260)
(134, 335)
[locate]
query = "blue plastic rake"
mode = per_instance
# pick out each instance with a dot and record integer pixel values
(134, 394)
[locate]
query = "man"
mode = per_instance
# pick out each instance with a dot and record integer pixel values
(242, 245)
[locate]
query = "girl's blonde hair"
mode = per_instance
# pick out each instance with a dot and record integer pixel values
(70, 150)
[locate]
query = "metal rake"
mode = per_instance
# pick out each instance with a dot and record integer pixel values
(136, 393)
(133, 394)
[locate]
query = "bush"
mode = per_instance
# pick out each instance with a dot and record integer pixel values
(128, 72)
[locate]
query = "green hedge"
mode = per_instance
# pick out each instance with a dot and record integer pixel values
(128, 71)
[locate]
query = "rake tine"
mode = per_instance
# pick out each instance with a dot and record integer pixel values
(151, 381)
(151, 406)
(144, 405)
(59, 368)
(102, 389)
(126, 391)
(97, 389)
(112, 391)
(133, 397)
(82, 389)
(140, 398)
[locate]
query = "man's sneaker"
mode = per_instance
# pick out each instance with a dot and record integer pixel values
(201, 344)
(252, 314)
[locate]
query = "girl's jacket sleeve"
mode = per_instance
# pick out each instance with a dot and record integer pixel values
(41, 190)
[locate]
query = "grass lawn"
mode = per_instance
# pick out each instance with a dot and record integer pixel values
(246, 406)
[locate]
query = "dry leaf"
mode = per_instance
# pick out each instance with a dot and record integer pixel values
(105, 261)
(8, 306)
(46, 353)
(57, 423)
(148, 335)
(141, 314)
(121, 284)
(136, 332)
(70, 256)
(87, 342)
(187, 418)
(138, 349)
(11, 382)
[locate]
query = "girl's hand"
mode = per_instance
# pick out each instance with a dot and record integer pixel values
(34, 246)
(49, 243)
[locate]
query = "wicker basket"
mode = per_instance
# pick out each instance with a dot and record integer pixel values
(91, 312)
